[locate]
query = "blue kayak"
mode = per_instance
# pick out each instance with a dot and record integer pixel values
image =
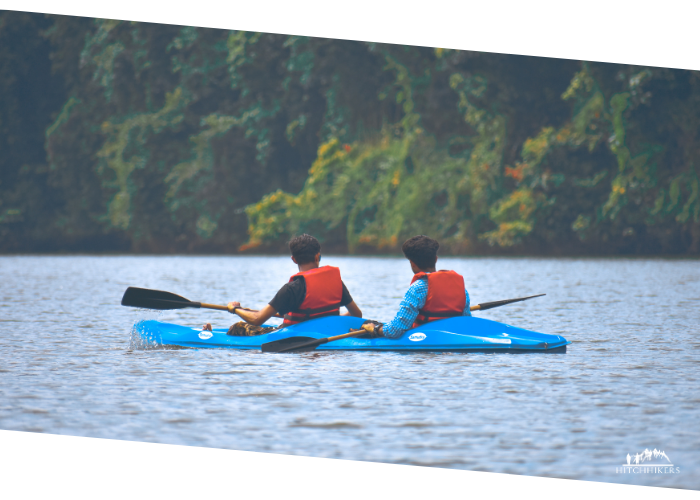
(461, 334)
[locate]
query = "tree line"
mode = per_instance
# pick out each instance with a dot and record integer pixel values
(138, 137)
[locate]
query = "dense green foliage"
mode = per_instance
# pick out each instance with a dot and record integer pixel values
(143, 137)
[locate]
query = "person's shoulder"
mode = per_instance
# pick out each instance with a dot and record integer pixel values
(295, 279)
(297, 283)
(294, 284)
(420, 282)
(418, 286)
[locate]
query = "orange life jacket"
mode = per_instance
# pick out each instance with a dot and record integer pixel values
(446, 297)
(324, 292)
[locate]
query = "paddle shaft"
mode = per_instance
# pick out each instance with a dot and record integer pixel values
(204, 305)
(318, 342)
(498, 303)
(304, 343)
(344, 336)
(212, 306)
(217, 307)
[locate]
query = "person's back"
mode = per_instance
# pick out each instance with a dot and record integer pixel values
(446, 296)
(313, 292)
(322, 290)
(432, 295)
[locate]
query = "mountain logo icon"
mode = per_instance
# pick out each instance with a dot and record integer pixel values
(648, 457)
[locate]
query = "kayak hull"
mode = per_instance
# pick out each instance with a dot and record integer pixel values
(461, 334)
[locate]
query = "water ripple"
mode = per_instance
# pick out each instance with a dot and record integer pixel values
(70, 364)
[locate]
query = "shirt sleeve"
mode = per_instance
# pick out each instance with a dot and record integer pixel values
(412, 302)
(466, 311)
(347, 298)
(290, 296)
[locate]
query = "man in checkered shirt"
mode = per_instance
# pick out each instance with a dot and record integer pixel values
(430, 289)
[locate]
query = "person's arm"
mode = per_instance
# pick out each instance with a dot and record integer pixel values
(256, 318)
(352, 310)
(412, 302)
(467, 311)
(347, 301)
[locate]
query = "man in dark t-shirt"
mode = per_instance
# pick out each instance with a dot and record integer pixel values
(295, 301)
(292, 294)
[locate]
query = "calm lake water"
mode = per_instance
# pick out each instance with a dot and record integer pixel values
(629, 380)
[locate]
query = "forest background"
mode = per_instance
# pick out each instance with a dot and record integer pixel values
(119, 136)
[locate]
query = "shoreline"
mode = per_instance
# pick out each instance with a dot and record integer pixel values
(524, 256)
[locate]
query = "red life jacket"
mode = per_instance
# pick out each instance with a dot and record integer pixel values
(324, 292)
(446, 297)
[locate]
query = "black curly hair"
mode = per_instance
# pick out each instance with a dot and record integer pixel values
(304, 248)
(421, 250)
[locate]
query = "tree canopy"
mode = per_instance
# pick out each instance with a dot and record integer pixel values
(125, 136)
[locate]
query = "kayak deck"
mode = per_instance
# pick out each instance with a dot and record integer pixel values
(461, 334)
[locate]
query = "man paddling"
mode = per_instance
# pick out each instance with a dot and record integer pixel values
(432, 295)
(315, 291)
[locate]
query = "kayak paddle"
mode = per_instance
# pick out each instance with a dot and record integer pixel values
(498, 303)
(165, 301)
(304, 344)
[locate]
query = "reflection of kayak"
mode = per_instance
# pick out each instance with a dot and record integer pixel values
(451, 334)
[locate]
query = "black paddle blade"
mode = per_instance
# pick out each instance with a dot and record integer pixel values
(297, 344)
(491, 305)
(155, 299)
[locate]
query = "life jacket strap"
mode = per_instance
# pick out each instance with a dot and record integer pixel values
(424, 316)
(318, 312)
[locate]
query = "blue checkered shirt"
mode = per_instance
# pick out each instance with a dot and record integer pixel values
(412, 302)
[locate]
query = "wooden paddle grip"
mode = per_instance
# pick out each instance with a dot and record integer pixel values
(346, 335)
(213, 306)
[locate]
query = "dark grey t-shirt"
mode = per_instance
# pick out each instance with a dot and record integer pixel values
(292, 294)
